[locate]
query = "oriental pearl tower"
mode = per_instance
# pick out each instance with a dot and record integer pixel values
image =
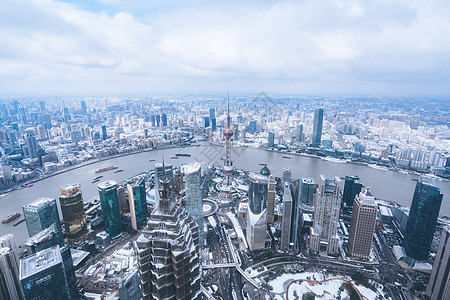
(228, 167)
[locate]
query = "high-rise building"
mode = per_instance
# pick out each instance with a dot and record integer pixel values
(129, 289)
(168, 251)
(352, 187)
(66, 115)
(271, 192)
(83, 108)
(164, 119)
(422, 219)
(287, 175)
(439, 285)
(252, 127)
(286, 222)
(178, 181)
(206, 121)
(257, 209)
(317, 129)
(104, 132)
(31, 143)
(299, 133)
(364, 219)
(10, 287)
(212, 113)
(8, 241)
(158, 120)
(42, 105)
(194, 201)
(137, 198)
(109, 200)
(271, 140)
(213, 124)
(307, 187)
(326, 216)
(42, 275)
(41, 214)
(48, 238)
(74, 218)
(159, 175)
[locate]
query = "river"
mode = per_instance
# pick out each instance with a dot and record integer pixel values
(387, 185)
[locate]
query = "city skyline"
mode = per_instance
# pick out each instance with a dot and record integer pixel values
(123, 48)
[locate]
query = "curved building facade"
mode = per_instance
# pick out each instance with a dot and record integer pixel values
(72, 209)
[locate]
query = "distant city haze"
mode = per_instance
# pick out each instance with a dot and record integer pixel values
(387, 185)
(340, 47)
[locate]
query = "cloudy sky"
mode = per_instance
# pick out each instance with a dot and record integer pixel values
(315, 47)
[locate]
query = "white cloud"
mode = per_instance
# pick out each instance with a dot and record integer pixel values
(325, 46)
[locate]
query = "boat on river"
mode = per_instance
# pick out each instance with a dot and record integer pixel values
(105, 169)
(11, 217)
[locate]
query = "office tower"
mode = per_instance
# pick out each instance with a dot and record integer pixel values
(352, 187)
(41, 214)
(42, 275)
(137, 198)
(48, 238)
(212, 113)
(158, 120)
(109, 200)
(287, 175)
(307, 187)
(168, 251)
(104, 132)
(271, 199)
(364, 219)
(153, 120)
(129, 288)
(213, 124)
(159, 175)
(228, 167)
(66, 115)
(439, 285)
(8, 241)
(299, 133)
(83, 108)
(252, 127)
(194, 201)
(31, 143)
(42, 106)
(271, 140)
(257, 209)
(178, 181)
(206, 121)
(286, 222)
(422, 219)
(317, 129)
(74, 218)
(326, 216)
(164, 119)
(10, 287)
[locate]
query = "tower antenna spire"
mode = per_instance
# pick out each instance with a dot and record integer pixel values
(228, 113)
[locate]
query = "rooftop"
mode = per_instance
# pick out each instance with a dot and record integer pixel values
(70, 189)
(40, 202)
(40, 261)
(107, 184)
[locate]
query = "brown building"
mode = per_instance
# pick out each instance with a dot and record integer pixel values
(439, 285)
(362, 226)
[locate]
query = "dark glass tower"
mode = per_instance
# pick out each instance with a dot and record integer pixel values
(109, 200)
(257, 193)
(138, 202)
(352, 187)
(317, 129)
(422, 219)
(72, 209)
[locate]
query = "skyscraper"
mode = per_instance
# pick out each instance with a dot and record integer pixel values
(8, 241)
(42, 275)
(109, 200)
(212, 113)
(307, 187)
(317, 129)
(137, 198)
(422, 219)
(104, 132)
(194, 201)
(10, 287)
(439, 285)
(74, 218)
(271, 192)
(257, 212)
(168, 252)
(287, 216)
(287, 175)
(164, 119)
(213, 124)
(364, 219)
(83, 108)
(326, 216)
(66, 114)
(31, 143)
(271, 140)
(352, 187)
(40, 215)
(130, 289)
(159, 176)
(299, 133)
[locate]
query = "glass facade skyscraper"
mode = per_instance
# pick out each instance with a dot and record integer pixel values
(42, 275)
(40, 215)
(109, 200)
(10, 287)
(194, 201)
(74, 218)
(352, 187)
(137, 197)
(317, 129)
(422, 220)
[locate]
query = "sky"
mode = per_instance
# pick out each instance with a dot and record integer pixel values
(142, 47)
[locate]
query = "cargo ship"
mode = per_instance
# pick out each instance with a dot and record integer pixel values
(182, 154)
(11, 217)
(105, 169)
